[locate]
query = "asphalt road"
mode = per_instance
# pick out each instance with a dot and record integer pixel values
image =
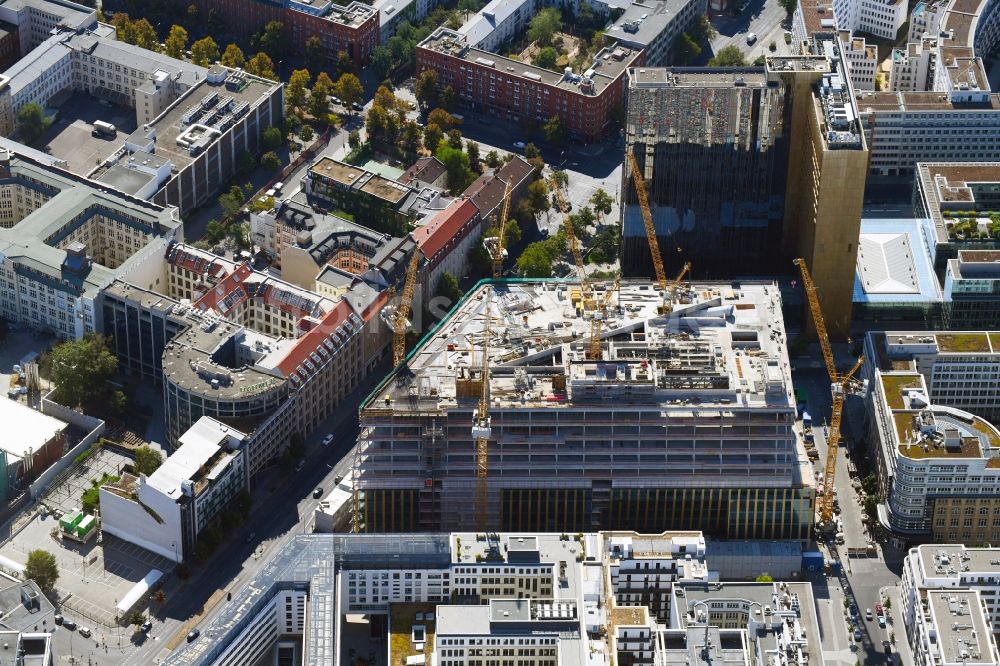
(762, 17)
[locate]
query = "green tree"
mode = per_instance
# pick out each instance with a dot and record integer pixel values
(262, 66)
(546, 58)
(686, 49)
(554, 131)
(41, 568)
(531, 151)
(560, 178)
(119, 404)
(426, 89)
(147, 460)
(455, 139)
(319, 101)
(31, 122)
(538, 196)
(765, 578)
(376, 122)
(233, 57)
(306, 133)
(144, 35)
(232, 201)
(272, 40)
(381, 60)
(790, 6)
(536, 260)
(246, 163)
(214, 232)
(449, 98)
(544, 25)
(193, 16)
(386, 99)
(730, 56)
(441, 118)
(348, 89)
(271, 138)
(448, 287)
(344, 62)
(176, 42)
(410, 136)
(295, 91)
(602, 203)
(204, 52)
(493, 160)
(138, 617)
(432, 137)
(315, 54)
(81, 368)
(472, 150)
(457, 163)
(270, 161)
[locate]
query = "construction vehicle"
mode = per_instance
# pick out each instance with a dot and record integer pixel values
(481, 430)
(399, 320)
(495, 244)
(840, 386)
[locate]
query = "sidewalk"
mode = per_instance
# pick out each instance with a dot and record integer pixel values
(894, 619)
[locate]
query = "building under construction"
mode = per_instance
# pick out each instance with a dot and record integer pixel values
(684, 422)
(749, 168)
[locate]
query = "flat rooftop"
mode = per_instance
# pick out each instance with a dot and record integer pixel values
(170, 124)
(26, 429)
(953, 186)
(963, 634)
(919, 101)
(70, 12)
(352, 15)
(954, 561)
(609, 64)
(641, 24)
(722, 346)
(696, 77)
(892, 265)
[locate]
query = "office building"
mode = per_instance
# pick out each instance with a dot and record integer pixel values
(166, 511)
(951, 629)
(63, 239)
(882, 18)
(578, 444)
(255, 352)
(192, 123)
(351, 28)
(33, 441)
(27, 617)
(951, 567)
(35, 20)
(929, 397)
(972, 290)
(790, 186)
(542, 598)
(862, 60)
(515, 90)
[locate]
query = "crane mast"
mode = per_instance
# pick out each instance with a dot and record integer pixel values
(495, 245)
(401, 320)
(839, 387)
(481, 429)
(647, 220)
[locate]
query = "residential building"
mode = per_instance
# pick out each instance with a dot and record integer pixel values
(351, 28)
(913, 66)
(10, 48)
(525, 593)
(604, 417)
(489, 83)
(653, 26)
(243, 347)
(426, 171)
(166, 511)
(488, 190)
(950, 568)
(375, 201)
(792, 179)
(63, 239)
(934, 451)
(445, 241)
(303, 242)
(35, 20)
(193, 122)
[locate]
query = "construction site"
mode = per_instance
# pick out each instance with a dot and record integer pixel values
(677, 414)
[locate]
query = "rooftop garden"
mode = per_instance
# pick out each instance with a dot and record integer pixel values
(987, 431)
(402, 619)
(969, 449)
(995, 341)
(904, 423)
(963, 342)
(972, 225)
(894, 386)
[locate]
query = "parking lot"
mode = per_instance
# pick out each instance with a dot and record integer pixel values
(66, 496)
(69, 137)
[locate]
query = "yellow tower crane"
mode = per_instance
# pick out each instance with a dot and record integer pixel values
(647, 220)
(401, 320)
(495, 245)
(839, 387)
(481, 430)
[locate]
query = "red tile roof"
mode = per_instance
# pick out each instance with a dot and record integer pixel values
(443, 227)
(315, 338)
(218, 299)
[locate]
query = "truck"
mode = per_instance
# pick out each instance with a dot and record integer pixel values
(104, 129)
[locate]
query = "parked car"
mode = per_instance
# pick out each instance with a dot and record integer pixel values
(854, 610)
(328, 439)
(193, 634)
(299, 465)
(69, 624)
(751, 38)
(868, 614)
(85, 632)
(878, 609)
(58, 619)
(338, 478)
(858, 636)
(146, 627)
(520, 145)
(318, 492)
(881, 621)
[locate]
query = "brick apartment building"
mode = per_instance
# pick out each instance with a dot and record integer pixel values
(514, 90)
(352, 28)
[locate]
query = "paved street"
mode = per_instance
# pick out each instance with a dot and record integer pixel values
(762, 17)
